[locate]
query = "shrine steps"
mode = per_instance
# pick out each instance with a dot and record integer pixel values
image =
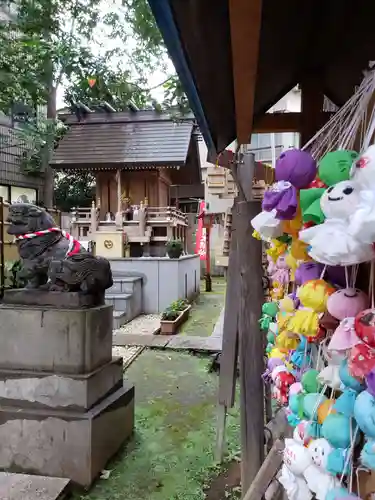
(126, 298)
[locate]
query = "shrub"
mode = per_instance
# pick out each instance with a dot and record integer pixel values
(12, 275)
(174, 249)
(174, 310)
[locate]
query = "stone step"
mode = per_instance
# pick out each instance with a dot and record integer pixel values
(119, 301)
(24, 487)
(125, 284)
(120, 318)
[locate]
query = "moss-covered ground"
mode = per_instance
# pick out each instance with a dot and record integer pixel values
(170, 456)
(205, 310)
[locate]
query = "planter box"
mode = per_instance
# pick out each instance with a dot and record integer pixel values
(171, 327)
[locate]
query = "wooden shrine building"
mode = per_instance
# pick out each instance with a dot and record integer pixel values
(137, 157)
(236, 59)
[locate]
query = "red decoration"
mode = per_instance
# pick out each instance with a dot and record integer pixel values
(317, 183)
(322, 332)
(364, 325)
(361, 361)
(91, 82)
(283, 381)
(306, 225)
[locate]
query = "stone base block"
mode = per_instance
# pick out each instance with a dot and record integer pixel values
(55, 340)
(66, 444)
(30, 389)
(60, 300)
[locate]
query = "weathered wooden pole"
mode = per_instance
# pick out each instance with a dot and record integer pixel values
(251, 344)
(251, 361)
(229, 355)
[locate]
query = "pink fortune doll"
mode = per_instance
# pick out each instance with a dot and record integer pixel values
(281, 274)
(344, 337)
(271, 268)
(345, 305)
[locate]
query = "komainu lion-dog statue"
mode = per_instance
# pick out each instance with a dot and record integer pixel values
(52, 259)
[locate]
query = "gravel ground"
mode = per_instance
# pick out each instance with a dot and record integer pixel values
(146, 324)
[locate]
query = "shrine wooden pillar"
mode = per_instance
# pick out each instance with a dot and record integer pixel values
(245, 23)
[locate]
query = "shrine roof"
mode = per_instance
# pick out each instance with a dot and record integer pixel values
(131, 139)
(329, 41)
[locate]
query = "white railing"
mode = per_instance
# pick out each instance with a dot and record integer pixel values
(85, 221)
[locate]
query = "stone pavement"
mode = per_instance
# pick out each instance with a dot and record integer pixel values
(213, 343)
(202, 332)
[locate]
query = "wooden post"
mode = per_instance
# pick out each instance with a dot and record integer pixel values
(119, 211)
(208, 261)
(266, 473)
(251, 361)
(229, 355)
(245, 22)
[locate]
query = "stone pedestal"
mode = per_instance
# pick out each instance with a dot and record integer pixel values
(64, 410)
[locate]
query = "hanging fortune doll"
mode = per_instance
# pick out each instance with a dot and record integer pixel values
(313, 296)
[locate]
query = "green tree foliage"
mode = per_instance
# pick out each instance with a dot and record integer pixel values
(50, 42)
(74, 190)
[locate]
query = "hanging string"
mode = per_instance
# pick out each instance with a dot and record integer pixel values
(318, 402)
(341, 131)
(354, 275)
(350, 452)
(323, 272)
(371, 284)
(351, 462)
(346, 277)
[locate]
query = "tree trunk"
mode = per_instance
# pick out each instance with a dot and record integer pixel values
(48, 149)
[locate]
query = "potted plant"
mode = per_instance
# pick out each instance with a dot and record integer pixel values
(174, 249)
(173, 316)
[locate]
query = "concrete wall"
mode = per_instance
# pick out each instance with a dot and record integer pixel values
(164, 280)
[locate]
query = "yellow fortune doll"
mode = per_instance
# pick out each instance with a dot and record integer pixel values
(286, 309)
(276, 352)
(293, 226)
(277, 292)
(287, 340)
(313, 296)
(277, 248)
(292, 263)
(298, 250)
